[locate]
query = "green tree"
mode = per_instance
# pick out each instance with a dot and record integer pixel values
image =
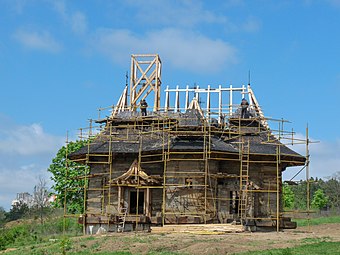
(288, 197)
(67, 176)
(300, 201)
(18, 211)
(2, 216)
(331, 189)
(320, 200)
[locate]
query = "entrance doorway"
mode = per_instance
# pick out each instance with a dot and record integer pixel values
(133, 202)
(233, 202)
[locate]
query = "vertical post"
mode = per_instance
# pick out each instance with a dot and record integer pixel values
(220, 104)
(138, 177)
(187, 97)
(307, 175)
(208, 103)
(147, 201)
(164, 182)
(156, 104)
(90, 128)
(119, 198)
(278, 183)
(231, 100)
(65, 190)
(133, 73)
(205, 170)
(250, 98)
(197, 94)
(166, 106)
(110, 178)
(177, 99)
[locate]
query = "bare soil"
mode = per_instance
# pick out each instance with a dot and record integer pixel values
(200, 243)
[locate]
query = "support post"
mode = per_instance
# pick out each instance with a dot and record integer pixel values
(208, 103)
(177, 99)
(220, 104)
(166, 106)
(231, 100)
(187, 97)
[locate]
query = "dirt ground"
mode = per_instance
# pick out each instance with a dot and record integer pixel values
(226, 243)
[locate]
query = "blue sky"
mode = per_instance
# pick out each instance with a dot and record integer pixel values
(61, 60)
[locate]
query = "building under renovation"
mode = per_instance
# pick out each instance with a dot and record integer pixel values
(202, 158)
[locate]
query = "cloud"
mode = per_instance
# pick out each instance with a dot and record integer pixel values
(78, 23)
(37, 40)
(19, 179)
(77, 20)
(335, 3)
(233, 3)
(189, 14)
(324, 158)
(26, 151)
(16, 5)
(183, 49)
(174, 13)
(251, 24)
(28, 140)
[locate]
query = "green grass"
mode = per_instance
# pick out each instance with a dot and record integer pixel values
(318, 221)
(36, 234)
(34, 239)
(324, 248)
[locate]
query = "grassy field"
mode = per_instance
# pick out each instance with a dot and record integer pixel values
(318, 221)
(305, 249)
(325, 248)
(323, 237)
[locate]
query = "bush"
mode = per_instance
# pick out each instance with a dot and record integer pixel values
(34, 232)
(16, 235)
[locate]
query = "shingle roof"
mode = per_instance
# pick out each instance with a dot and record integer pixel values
(260, 143)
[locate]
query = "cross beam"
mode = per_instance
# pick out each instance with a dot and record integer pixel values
(145, 78)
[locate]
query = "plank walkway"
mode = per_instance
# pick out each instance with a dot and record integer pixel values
(203, 229)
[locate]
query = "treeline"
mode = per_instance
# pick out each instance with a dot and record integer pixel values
(323, 194)
(23, 211)
(30, 231)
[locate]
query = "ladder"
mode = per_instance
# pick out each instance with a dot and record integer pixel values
(244, 180)
(121, 220)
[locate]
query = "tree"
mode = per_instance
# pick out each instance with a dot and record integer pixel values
(2, 216)
(300, 201)
(18, 211)
(331, 189)
(288, 197)
(40, 197)
(66, 175)
(319, 199)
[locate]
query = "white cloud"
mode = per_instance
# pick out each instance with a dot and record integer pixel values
(16, 5)
(251, 24)
(78, 23)
(234, 3)
(76, 20)
(181, 48)
(21, 179)
(190, 14)
(335, 3)
(26, 151)
(28, 140)
(37, 40)
(174, 13)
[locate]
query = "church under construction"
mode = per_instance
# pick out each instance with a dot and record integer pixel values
(189, 162)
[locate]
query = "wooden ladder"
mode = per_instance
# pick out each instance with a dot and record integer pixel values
(121, 220)
(244, 180)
